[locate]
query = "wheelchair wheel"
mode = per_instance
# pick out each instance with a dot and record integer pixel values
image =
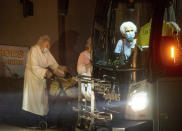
(43, 125)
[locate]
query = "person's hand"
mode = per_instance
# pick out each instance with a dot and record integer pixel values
(49, 74)
(64, 68)
(59, 73)
(68, 75)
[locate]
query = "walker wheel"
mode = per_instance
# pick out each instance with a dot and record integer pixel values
(43, 125)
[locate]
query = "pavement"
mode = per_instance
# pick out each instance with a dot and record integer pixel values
(6, 127)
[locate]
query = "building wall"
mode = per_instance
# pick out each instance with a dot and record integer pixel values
(20, 31)
(77, 29)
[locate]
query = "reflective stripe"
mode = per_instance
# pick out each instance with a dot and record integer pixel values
(145, 46)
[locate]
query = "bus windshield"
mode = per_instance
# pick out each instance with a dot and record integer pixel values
(117, 39)
(121, 34)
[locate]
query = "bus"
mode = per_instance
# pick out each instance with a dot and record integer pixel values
(150, 86)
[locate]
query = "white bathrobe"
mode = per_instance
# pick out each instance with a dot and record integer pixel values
(35, 96)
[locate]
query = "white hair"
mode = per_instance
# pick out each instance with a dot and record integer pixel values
(88, 44)
(43, 39)
(127, 24)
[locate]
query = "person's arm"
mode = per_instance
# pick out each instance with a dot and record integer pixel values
(61, 71)
(55, 67)
(118, 47)
(52, 63)
(81, 68)
(134, 57)
(134, 63)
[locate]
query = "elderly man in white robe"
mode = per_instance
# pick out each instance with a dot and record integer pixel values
(35, 96)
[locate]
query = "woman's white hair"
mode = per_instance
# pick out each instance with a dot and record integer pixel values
(127, 24)
(43, 39)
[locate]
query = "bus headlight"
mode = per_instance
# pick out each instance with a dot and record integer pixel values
(138, 101)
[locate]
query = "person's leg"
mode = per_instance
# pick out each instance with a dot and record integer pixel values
(32, 120)
(52, 117)
(67, 117)
(57, 110)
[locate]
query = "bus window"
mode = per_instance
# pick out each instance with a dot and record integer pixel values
(139, 15)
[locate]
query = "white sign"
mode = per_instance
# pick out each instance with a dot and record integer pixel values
(12, 61)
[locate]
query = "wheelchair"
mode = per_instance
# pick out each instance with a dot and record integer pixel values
(94, 99)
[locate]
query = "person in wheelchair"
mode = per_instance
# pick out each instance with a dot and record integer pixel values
(84, 68)
(126, 47)
(84, 65)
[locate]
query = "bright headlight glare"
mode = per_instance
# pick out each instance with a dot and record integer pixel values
(138, 101)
